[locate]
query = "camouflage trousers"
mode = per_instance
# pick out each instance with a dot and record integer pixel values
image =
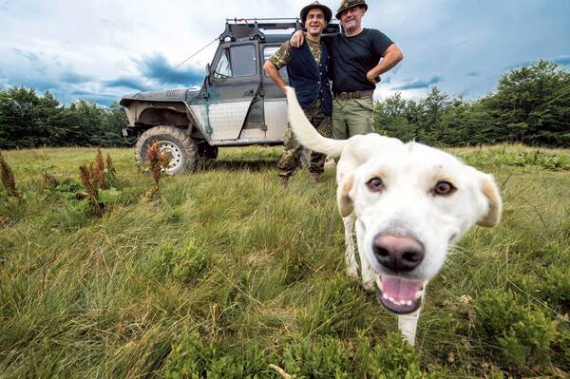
(291, 158)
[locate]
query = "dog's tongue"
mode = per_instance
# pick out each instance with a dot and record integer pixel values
(400, 289)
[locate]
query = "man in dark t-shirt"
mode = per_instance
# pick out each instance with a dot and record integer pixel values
(358, 56)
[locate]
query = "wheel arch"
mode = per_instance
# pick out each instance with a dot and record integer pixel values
(143, 115)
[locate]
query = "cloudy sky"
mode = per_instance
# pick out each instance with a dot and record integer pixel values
(99, 50)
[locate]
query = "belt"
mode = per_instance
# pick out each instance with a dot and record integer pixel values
(353, 95)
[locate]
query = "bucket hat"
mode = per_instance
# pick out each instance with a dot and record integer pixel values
(326, 10)
(347, 4)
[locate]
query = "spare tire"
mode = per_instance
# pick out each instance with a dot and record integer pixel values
(172, 140)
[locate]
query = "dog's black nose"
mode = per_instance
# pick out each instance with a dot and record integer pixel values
(398, 253)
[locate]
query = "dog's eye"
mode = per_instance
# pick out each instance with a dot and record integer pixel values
(375, 185)
(444, 188)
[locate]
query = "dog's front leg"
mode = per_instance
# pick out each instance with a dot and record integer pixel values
(368, 274)
(408, 324)
(351, 264)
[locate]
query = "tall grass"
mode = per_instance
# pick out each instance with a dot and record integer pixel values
(224, 272)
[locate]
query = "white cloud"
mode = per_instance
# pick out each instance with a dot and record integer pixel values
(78, 47)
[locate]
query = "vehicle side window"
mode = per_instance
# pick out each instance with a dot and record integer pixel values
(223, 68)
(267, 53)
(237, 61)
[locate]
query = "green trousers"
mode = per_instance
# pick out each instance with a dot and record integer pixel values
(352, 117)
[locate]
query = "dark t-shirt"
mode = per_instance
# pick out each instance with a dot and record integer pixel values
(353, 57)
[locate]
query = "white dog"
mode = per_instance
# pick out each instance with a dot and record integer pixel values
(410, 203)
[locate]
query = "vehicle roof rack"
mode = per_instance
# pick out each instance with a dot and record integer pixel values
(243, 28)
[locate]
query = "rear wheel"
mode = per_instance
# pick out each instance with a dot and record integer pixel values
(176, 142)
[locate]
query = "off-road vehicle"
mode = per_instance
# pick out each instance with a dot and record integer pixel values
(237, 104)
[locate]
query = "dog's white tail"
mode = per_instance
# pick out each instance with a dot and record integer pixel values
(306, 133)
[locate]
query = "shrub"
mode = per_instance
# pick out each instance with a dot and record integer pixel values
(330, 357)
(326, 358)
(393, 358)
(520, 334)
(193, 358)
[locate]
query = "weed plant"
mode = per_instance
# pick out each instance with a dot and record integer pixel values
(7, 178)
(157, 162)
(229, 273)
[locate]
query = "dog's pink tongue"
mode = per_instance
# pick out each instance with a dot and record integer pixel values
(400, 289)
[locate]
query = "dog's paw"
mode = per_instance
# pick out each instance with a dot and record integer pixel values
(369, 286)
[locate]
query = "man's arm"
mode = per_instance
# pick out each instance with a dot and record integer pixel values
(298, 38)
(273, 72)
(278, 60)
(392, 56)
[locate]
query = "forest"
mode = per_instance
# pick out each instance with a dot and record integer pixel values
(530, 105)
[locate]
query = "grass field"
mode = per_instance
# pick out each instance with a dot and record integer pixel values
(224, 273)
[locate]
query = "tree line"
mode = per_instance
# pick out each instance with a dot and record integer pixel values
(29, 120)
(530, 105)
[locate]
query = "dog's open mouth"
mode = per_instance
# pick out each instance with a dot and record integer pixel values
(399, 295)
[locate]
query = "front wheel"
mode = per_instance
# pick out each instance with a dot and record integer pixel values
(173, 141)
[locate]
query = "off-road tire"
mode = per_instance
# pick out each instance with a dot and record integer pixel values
(176, 141)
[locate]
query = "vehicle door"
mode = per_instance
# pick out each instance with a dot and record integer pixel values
(274, 101)
(233, 90)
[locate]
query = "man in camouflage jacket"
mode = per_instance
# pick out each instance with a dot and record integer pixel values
(307, 68)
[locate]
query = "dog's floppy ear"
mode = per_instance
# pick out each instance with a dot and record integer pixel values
(491, 192)
(344, 201)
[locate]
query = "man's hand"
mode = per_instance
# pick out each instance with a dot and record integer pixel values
(372, 77)
(297, 38)
(391, 58)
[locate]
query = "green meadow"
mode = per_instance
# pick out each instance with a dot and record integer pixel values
(223, 273)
